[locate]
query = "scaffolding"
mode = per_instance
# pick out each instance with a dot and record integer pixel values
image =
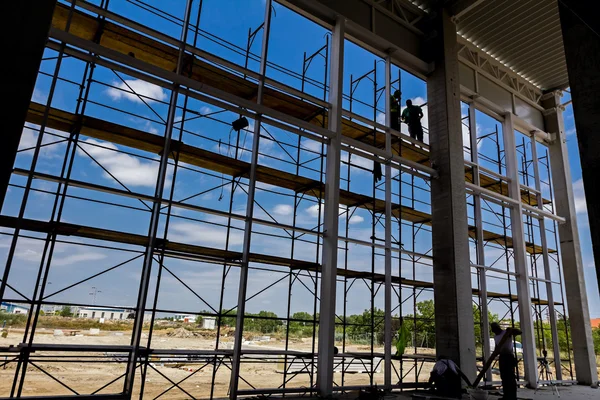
(220, 218)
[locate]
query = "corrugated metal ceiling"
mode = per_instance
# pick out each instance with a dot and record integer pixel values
(524, 35)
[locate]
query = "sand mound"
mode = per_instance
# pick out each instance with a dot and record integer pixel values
(182, 333)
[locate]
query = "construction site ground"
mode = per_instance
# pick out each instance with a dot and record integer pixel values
(86, 377)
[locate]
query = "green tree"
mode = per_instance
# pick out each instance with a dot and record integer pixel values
(596, 335)
(66, 312)
(266, 323)
(362, 326)
(302, 328)
(478, 324)
(422, 326)
(228, 318)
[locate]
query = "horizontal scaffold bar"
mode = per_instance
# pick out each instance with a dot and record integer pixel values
(137, 139)
(159, 54)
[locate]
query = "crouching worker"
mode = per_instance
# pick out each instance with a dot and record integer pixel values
(445, 377)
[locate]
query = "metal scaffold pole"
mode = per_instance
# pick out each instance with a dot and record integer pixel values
(243, 286)
(153, 230)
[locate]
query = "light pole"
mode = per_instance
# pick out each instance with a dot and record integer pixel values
(94, 292)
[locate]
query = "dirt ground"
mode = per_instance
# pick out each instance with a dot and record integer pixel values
(87, 377)
(90, 376)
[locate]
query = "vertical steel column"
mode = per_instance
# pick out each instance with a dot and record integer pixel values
(243, 286)
(546, 261)
(387, 351)
(519, 253)
(479, 239)
(331, 218)
(138, 323)
(570, 248)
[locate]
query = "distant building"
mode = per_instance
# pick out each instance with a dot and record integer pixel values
(208, 322)
(595, 323)
(56, 309)
(106, 313)
(13, 308)
(187, 318)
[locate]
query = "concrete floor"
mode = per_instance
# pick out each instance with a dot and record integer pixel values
(544, 393)
(565, 392)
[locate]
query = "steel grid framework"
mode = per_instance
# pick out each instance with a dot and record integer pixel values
(315, 134)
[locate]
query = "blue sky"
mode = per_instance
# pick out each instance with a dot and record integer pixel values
(291, 37)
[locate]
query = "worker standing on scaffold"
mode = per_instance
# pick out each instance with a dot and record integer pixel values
(412, 117)
(395, 110)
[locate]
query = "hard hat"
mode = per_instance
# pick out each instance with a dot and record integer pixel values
(397, 93)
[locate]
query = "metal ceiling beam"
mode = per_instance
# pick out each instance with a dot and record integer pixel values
(374, 27)
(458, 8)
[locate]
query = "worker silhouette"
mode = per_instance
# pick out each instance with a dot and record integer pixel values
(444, 379)
(507, 359)
(395, 110)
(412, 117)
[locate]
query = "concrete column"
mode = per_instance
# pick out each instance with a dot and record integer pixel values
(570, 249)
(29, 22)
(331, 215)
(480, 250)
(520, 253)
(582, 50)
(455, 337)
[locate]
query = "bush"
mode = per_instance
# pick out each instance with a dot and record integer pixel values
(596, 335)
(14, 320)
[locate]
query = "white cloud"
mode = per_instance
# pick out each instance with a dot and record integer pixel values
(29, 138)
(77, 258)
(204, 235)
(205, 110)
(358, 161)
(148, 127)
(148, 91)
(39, 96)
(127, 169)
(571, 131)
(311, 145)
(32, 249)
(283, 209)
(380, 118)
(313, 210)
(356, 219)
(579, 196)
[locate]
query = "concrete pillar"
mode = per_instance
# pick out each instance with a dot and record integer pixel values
(455, 337)
(582, 50)
(519, 253)
(570, 249)
(28, 23)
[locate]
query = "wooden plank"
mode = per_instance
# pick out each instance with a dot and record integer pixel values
(144, 141)
(130, 137)
(501, 187)
(207, 253)
(174, 248)
(134, 44)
